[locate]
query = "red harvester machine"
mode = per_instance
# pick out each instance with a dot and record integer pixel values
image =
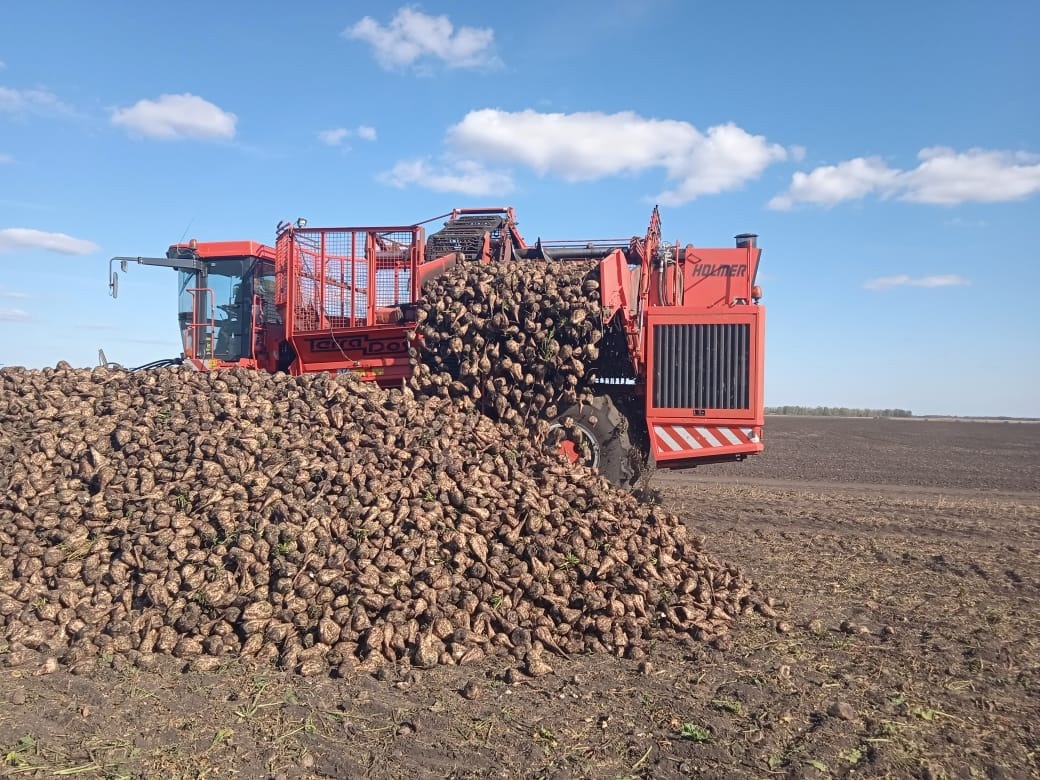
(681, 379)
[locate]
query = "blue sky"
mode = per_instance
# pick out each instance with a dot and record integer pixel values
(888, 154)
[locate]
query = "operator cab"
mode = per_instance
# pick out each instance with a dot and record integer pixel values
(226, 301)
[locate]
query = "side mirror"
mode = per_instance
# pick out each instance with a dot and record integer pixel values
(113, 284)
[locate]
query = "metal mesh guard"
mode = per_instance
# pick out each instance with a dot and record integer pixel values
(344, 275)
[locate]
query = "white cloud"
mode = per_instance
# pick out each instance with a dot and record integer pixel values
(465, 177)
(832, 184)
(944, 177)
(592, 145)
(31, 101)
(334, 137)
(27, 238)
(412, 35)
(13, 315)
(2, 64)
(176, 116)
(337, 136)
(6, 159)
(966, 223)
(4, 293)
(904, 280)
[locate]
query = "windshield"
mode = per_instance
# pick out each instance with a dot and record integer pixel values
(216, 309)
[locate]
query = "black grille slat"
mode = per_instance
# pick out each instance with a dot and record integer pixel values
(714, 353)
(702, 366)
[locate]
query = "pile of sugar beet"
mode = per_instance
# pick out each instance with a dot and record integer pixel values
(322, 524)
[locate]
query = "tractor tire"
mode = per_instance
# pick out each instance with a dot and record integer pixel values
(596, 435)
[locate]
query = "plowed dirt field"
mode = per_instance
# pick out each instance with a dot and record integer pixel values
(903, 558)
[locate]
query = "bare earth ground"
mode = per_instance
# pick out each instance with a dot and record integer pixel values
(904, 558)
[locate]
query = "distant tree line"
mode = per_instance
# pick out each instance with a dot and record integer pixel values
(837, 411)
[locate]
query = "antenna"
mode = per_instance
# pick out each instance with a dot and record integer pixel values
(186, 229)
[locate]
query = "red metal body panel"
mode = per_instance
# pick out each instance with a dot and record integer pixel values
(719, 277)
(211, 250)
(615, 280)
(378, 353)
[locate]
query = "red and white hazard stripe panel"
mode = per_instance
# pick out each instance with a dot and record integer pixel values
(683, 438)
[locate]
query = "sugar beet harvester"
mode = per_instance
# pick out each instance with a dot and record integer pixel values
(682, 384)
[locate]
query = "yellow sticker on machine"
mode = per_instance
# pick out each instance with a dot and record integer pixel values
(363, 373)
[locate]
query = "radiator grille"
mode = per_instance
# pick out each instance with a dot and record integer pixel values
(702, 366)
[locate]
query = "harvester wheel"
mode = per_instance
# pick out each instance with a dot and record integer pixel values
(596, 435)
